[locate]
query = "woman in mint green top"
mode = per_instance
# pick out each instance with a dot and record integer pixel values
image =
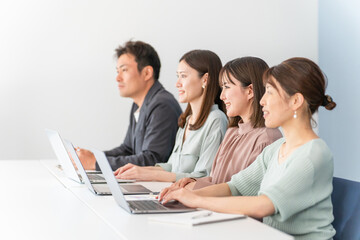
(201, 127)
(289, 184)
(299, 188)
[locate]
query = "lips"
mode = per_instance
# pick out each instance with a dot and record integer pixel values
(265, 113)
(227, 105)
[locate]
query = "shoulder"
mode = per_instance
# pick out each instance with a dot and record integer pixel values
(162, 97)
(273, 147)
(317, 153)
(217, 115)
(216, 120)
(162, 100)
(267, 135)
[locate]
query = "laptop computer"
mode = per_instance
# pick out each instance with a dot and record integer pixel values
(103, 189)
(137, 206)
(67, 165)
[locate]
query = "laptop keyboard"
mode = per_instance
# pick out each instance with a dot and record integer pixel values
(146, 205)
(93, 177)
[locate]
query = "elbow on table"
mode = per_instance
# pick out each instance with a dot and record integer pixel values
(263, 208)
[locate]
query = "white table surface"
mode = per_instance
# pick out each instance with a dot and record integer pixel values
(39, 202)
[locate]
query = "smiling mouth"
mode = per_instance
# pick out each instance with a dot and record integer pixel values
(265, 113)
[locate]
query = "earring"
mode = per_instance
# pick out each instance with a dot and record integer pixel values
(295, 115)
(203, 86)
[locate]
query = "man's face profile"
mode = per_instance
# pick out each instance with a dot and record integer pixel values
(129, 79)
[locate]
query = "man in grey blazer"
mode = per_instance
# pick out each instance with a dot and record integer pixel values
(154, 114)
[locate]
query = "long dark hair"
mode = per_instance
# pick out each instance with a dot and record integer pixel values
(204, 61)
(247, 70)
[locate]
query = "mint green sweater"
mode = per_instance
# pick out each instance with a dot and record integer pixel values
(300, 188)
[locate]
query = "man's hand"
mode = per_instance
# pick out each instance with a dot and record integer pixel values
(87, 158)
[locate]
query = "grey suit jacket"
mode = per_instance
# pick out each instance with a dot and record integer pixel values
(152, 138)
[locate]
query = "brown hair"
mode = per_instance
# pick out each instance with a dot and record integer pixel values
(247, 70)
(301, 75)
(204, 61)
(145, 55)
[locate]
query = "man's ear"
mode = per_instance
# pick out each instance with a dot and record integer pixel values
(250, 92)
(296, 101)
(148, 73)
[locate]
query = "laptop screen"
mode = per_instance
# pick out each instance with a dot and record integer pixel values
(110, 179)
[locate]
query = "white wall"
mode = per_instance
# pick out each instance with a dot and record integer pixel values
(339, 52)
(57, 68)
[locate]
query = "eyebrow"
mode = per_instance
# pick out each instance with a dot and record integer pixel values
(181, 71)
(122, 65)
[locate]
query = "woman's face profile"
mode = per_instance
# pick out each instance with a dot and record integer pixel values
(189, 83)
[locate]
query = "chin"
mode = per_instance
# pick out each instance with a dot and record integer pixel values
(269, 124)
(229, 114)
(181, 100)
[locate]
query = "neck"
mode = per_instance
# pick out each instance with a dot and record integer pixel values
(297, 132)
(196, 109)
(139, 98)
(247, 115)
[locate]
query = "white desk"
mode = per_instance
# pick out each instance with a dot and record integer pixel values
(40, 202)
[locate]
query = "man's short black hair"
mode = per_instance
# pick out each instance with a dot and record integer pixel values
(145, 55)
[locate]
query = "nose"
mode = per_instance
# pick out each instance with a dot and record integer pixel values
(118, 77)
(262, 100)
(178, 83)
(222, 94)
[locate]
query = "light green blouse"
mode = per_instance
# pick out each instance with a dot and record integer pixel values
(300, 188)
(195, 156)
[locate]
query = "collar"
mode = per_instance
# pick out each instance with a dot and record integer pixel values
(245, 128)
(157, 86)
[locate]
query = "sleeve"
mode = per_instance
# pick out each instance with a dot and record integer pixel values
(168, 165)
(308, 177)
(247, 182)
(209, 147)
(159, 135)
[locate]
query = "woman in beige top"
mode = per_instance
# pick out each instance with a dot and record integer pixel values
(247, 136)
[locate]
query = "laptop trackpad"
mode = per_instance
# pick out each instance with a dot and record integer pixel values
(175, 205)
(134, 188)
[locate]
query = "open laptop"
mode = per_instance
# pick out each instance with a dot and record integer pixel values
(67, 165)
(103, 189)
(137, 206)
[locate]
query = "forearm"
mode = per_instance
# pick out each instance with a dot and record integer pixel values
(144, 159)
(218, 190)
(155, 168)
(121, 150)
(253, 206)
(164, 176)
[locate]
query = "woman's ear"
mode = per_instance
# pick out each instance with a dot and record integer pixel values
(250, 92)
(296, 101)
(204, 79)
